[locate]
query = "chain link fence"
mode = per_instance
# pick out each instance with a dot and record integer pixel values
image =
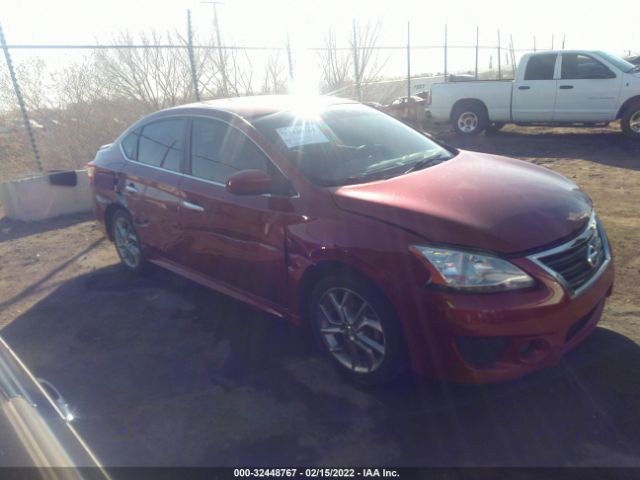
(59, 103)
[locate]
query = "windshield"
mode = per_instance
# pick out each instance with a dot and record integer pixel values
(350, 143)
(622, 64)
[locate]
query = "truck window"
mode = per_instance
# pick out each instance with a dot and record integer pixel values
(541, 67)
(578, 66)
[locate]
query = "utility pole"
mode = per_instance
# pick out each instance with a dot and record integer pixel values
(477, 47)
(499, 64)
(356, 61)
(446, 66)
(289, 59)
(221, 58)
(192, 60)
(408, 60)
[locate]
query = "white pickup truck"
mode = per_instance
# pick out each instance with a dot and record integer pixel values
(576, 87)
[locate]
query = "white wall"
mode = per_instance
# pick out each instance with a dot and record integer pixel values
(33, 198)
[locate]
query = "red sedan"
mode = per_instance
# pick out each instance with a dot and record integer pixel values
(395, 249)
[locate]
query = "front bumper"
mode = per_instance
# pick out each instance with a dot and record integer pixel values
(494, 337)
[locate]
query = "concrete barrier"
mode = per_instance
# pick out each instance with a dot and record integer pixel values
(35, 198)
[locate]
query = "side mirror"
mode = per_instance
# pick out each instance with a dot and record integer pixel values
(249, 182)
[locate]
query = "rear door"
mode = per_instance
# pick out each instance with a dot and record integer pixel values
(235, 240)
(534, 92)
(587, 91)
(151, 183)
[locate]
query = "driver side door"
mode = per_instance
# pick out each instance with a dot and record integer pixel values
(236, 241)
(588, 90)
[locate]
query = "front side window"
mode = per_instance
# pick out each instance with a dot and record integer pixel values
(206, 143)
(626, 67)
(349, 143)
(541, 67)
(161, 144)
(219, 150)
(576, 66)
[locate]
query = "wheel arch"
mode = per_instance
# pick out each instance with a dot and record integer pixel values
(322, 269)
(316, 272)
(628, 102)
(108, 217)
(467, 102)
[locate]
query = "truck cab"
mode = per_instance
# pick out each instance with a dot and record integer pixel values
(583, 88)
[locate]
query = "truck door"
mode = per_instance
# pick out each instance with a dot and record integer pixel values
(534, 91)
(587, 91)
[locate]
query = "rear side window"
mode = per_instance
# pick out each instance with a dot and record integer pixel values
(540, 67)
(576, 66)
(130, 144)
(161, 144)
(219, 150)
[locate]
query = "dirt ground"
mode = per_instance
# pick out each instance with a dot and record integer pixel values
(163, 372)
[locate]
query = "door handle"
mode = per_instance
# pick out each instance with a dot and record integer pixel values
(566, 87)
(131, 188)
(524, 87)
(192, 206)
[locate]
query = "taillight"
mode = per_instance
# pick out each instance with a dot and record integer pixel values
(91, 172)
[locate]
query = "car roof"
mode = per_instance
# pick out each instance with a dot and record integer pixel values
(260, 105)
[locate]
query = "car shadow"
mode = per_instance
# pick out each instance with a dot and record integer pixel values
(160, 371)
(608, 147)
(13, 229)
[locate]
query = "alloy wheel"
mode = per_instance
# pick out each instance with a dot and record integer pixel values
(126, 242)
(468, 122)
(351, 330)
(634, 122)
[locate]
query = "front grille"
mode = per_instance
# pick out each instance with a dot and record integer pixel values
(580, 260)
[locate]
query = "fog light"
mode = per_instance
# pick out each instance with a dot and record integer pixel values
(533, 351)
(481, 351)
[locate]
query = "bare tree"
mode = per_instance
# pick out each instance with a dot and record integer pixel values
(336, 65)
(229, 74)
(34, 84)
(370, 64)
(155, 77)
(239, 72)
(275, 77)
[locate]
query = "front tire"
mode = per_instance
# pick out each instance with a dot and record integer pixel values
(127, 242)
(470, 119)
(631, 121)
(357, 328)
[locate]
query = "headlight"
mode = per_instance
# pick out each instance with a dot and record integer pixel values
(470, 271)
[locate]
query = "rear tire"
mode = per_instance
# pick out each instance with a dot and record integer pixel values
(127, 242)
(469, 119)
(357, 328)
(630, 121)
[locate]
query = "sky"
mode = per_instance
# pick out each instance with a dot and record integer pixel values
(267, 22)
(613, 26)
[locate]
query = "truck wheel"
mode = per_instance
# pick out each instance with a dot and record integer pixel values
(470, 119)
(631, 121)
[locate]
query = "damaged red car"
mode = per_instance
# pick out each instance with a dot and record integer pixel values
(396, 250)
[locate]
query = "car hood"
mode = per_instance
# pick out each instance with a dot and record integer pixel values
(476, 200)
